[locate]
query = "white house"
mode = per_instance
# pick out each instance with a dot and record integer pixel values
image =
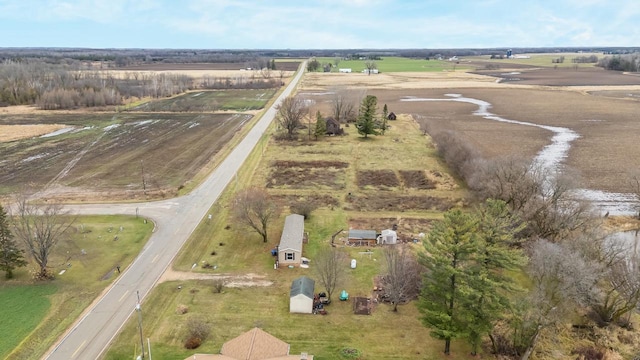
(346, 70)
(290, 248)
(301, 295)
(388, 236)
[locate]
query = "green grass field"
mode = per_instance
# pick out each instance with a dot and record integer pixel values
(54, 305)
(23, 307)
(396, 64)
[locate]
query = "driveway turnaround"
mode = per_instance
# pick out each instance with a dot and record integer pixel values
(175, 220)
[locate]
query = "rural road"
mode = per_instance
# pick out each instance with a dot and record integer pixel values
(175, 220)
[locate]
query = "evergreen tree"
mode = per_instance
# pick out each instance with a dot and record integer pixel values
(273, 64)
(321, 126)
(366, 123)
(489, 298)
(10, 255)
(449, 253)
(383, 122)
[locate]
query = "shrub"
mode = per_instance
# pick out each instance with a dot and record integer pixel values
(192, 343)
(197, 331)
(304, 208)
(182, 309)
(218, 285)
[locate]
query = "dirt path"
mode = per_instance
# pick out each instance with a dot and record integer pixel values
(236, 281)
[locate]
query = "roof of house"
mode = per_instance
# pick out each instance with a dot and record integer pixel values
(292, 233)
(362, 234)
(302, 285)
(255, 344)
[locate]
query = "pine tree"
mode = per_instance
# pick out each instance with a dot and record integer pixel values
(450, 248)
(10, 255)
(489, 298)
(321, 126)
(366, 123)
(383, 121)
(273, 64)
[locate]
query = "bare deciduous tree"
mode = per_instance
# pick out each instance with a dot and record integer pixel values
(344, 104)
(330, 265)
(370, 65)
(401, 280)
(253, 207)
(40, 228)
(290, 114)
(561, 279)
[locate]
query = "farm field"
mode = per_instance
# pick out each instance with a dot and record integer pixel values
(84, 263)
(604, 154)
(203, 101)
(152, 152)
(533, 60)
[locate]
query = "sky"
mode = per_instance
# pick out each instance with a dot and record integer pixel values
(319, 24)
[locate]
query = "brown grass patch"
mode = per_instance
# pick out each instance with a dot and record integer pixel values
(17, 132)
(416, 179)
(299, 178)
(379, 179)
(394, 202)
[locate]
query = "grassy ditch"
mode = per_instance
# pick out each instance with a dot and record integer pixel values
(85, 264)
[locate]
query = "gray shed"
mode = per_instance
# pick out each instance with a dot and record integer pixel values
(290, 247)
(301, 295)
(363, 237)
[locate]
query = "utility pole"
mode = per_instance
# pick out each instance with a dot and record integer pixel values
(139, 310)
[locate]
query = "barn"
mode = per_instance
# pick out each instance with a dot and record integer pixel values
(301, 295)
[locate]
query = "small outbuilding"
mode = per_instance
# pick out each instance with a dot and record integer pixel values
(363, 237)
(290, 247)
(388, 236)
(301, 295)
(333, 127)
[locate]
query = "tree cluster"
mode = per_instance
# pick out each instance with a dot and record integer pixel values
(60, 87)
(466, 287)
(573, 264)
(629, 62)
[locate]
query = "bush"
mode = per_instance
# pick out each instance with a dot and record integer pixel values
(192, 343)
(197, 328)
(218, 285)
(304, 208)
(182, 309)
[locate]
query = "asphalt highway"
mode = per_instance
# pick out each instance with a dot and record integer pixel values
(175, 220)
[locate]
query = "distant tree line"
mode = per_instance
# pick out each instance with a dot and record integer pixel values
(56, 86)
(629, 62)
(592, 59)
